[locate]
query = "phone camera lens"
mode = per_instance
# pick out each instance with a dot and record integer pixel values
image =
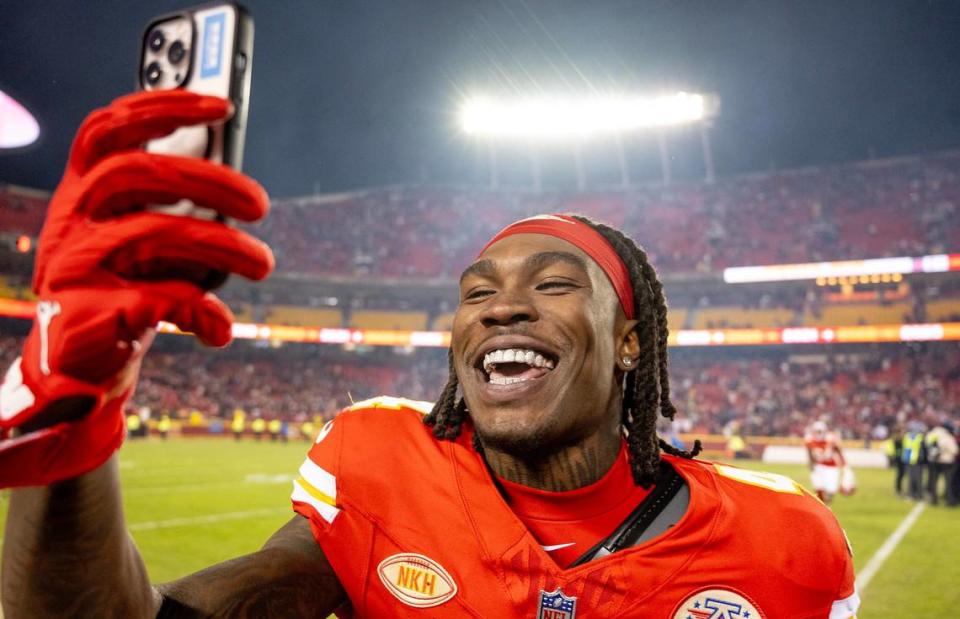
(153, 73)
(176, 52)
(156, 40)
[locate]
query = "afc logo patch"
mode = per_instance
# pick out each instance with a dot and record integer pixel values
(716, 603)
(556, 605)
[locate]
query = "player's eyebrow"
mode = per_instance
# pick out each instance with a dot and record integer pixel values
(481, 268)
(537, 261)
(533, 262)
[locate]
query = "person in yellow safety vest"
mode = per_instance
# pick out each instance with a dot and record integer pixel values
(238, 424)
(258, 426)
(274, 428)
(306, 430)
(164, 426)
(134, 424)
(737, 447)
(912, 457)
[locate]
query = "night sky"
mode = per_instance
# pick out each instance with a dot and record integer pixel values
(354, 93)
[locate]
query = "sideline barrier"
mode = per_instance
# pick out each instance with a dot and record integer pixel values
(857, 458)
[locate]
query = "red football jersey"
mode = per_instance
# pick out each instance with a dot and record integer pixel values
(823, 450)
(415, 527)
(567, 524)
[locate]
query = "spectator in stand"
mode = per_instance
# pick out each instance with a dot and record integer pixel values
(866, 391)
(414, 232)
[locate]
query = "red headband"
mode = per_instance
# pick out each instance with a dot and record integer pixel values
(587, 239)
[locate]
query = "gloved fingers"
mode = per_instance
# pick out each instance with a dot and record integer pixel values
(188, 307)
(128, 181)
(134, 245)
(86, 342)
(133, 119)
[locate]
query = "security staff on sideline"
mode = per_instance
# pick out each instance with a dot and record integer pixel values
(913, 458)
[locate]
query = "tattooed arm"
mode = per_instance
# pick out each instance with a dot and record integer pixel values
(67, 553)
(288, 577)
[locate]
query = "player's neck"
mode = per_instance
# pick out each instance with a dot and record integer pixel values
(569, 468)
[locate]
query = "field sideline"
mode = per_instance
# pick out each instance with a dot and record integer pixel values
(193, 502)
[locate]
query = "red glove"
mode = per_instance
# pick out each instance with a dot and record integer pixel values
(93, 324)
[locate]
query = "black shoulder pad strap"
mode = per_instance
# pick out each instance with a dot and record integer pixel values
(662, 509)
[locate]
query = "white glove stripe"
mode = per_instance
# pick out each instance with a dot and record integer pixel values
(15, 397)
(46, 310)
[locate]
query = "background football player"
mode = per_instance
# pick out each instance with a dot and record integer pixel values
(826, 460)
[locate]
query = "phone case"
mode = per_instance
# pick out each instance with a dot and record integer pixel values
(216, 46)
(208, 50)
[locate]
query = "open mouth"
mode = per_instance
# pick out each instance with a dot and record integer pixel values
(511, 366)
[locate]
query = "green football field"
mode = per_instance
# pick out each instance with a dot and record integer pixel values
(193, 502)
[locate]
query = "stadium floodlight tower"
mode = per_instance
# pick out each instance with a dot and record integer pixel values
(567, 120)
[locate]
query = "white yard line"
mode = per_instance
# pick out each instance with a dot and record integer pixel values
(886, 549)
(152, 525)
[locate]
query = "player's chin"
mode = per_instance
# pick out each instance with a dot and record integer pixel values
(515, 418)
(526, 433)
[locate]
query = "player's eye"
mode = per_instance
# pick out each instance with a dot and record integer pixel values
(477, 294)
(556, 285)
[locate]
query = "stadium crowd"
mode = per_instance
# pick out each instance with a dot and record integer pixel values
(867, 393)
(900, 207)
(885, 208)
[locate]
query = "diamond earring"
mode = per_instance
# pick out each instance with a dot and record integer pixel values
(627, 361)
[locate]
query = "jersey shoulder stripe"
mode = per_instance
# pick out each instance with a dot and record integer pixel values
(845, 608)
(306, 493)
(392, 403)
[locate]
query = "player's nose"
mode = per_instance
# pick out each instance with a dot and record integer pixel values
(508, 307)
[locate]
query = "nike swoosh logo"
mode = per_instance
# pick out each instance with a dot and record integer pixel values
(557, 546)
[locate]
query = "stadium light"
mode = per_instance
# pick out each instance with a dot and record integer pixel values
(18, 127)
(831, 273)
(547, 118)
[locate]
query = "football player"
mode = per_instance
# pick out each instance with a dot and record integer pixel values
(534, 487)
(825, 459)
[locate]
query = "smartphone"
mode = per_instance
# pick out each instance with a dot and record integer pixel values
(206, 49)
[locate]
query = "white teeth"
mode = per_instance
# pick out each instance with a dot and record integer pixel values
(515, 355)
(506, 380)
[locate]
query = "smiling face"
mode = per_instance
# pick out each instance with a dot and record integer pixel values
(537, 343)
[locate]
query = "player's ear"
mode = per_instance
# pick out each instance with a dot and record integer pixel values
(628, 347)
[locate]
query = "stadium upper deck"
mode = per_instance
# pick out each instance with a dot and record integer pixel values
(906, 206)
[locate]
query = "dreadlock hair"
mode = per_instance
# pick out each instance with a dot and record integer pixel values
(646, 388)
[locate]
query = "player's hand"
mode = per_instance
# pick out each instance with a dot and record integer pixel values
(61, 401)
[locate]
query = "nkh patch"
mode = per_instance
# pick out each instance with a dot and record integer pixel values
(716, 603)
(416, 580)
(556, 605)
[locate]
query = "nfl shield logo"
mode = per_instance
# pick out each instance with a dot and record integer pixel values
(556, 605)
